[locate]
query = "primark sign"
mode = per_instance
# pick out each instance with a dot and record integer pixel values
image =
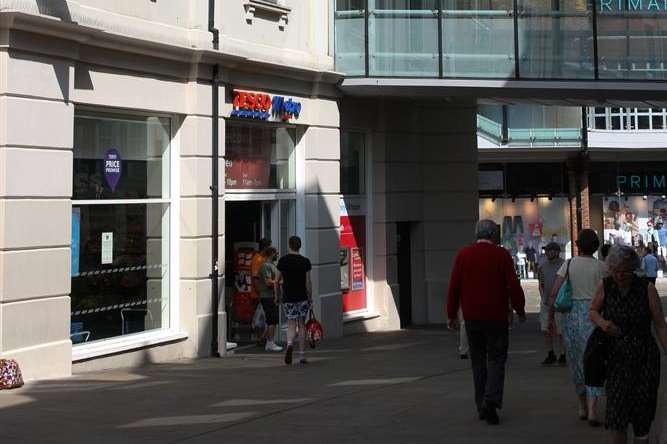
(642, 183)
(648, 6)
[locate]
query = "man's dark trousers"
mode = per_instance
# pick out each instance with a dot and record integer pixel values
(488, 341)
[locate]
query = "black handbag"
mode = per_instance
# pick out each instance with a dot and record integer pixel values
(595, 359)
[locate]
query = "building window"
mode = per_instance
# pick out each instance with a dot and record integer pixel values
(352, 163)
(120, 225)
(627, 119)
(259, 157)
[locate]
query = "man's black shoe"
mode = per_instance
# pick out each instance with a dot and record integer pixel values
(550, 359)
(491, 415)
(482, 414)
(464, 356)
(288, 354)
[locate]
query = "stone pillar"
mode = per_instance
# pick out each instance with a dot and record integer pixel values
(425, 174)
(36, 140)
(322, 221)
(195, 222)
(450, 186)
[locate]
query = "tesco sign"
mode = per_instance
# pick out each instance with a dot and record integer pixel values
(262, 106)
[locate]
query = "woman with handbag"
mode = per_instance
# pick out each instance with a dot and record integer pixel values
(580, 276)
(625, 307)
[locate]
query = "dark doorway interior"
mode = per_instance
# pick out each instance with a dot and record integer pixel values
(243, 223)
(404, 273)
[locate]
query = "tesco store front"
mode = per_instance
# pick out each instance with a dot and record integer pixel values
(261, 147)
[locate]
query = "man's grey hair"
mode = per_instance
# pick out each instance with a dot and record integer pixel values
(622, 257)
(486, 229)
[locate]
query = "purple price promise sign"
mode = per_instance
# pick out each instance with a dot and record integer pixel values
(113, 168)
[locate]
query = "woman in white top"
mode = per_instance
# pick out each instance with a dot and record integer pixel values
(585, 273)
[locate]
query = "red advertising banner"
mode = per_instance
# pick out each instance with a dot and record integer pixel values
(248, 158)
(352, 262)
(247, 173)
(358, 272)
(243, 303)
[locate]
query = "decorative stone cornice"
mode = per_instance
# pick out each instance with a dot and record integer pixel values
(182, 45)
(280, 11)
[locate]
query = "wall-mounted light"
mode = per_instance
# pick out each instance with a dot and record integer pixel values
(645, 197)
(663, 197)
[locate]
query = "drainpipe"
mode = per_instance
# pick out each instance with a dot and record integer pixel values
(215, 114)
(211, 24)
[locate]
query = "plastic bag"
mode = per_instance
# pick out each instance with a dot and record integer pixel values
(314, 330)
(259, 319)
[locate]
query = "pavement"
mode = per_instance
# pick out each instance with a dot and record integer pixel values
(397, 387)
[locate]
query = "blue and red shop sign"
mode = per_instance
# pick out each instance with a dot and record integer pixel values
(262, 106)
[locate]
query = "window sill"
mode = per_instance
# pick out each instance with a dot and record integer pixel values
(360, 316)
(281, 11)
(101, 348)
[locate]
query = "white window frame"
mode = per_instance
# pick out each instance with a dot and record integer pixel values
(627, 115)
(119, 344)
(370, 311)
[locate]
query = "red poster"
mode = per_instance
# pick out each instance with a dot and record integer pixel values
(242, 300)
(247, 173)
(248, 158)
(352, 262)
(358, 274)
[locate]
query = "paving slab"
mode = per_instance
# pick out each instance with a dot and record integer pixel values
(398, 387)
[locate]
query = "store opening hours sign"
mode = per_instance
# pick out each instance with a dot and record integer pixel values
(260, 106)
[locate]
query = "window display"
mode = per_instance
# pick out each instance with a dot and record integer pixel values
(527, 226)
(120, 225)
(637, 221)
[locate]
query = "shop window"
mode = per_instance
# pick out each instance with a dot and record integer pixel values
(638, 222)
(527, 225)
(352, 163)
(120, 226)
(259, 157)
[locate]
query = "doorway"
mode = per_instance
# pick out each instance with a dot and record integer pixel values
(246, 222)
(404, 247)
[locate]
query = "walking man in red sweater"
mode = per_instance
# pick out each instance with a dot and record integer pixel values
(484, 284)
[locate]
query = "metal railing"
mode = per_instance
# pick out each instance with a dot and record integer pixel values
(528, 137)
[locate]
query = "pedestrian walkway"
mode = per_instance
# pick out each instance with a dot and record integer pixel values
(400, 387)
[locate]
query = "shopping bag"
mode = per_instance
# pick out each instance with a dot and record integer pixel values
(10, 374)
(243, 307)
(259, 319)
(314, 330)
(563, 302)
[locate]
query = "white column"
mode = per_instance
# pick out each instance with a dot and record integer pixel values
(36, 139)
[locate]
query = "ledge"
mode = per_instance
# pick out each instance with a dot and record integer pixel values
(281, 11)
(360, 316)
(121, 344)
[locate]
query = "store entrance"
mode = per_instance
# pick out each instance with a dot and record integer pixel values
(246, 222)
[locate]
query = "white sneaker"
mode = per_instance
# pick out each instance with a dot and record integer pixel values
(272, 347)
